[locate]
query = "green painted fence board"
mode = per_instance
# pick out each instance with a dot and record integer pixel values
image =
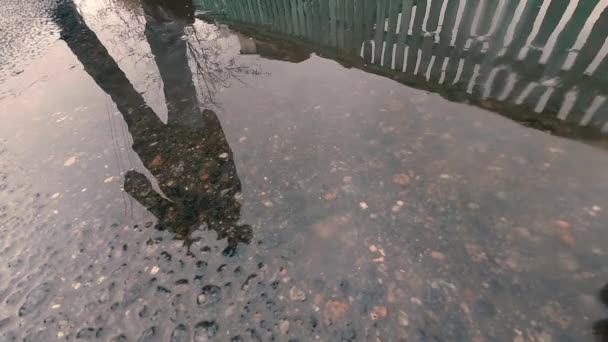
(379, 36)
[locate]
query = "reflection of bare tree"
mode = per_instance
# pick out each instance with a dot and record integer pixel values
(123, 23)
(124, 18)
(176, 40)
(130, 22)
(212, 73)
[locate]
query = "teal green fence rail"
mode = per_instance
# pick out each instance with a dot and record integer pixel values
(549, 56)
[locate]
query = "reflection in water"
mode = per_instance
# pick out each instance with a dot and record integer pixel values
(174, 41)
(391, 214)
(520, 58)
(213, 73)
(165, 25)
(189, 156)
(600, 328)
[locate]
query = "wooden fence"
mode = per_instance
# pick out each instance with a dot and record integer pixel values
(546, 55)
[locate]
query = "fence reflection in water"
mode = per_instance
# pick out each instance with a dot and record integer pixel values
(547, 56)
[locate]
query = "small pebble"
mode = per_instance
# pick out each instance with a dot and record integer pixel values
(330, 195)
(157, 161)
(284, 327)
(403, 319)
(397, 207)
(70, 161)
(437, 255)
(155, 270)
(416, 301)
(378, 312)
(473, 206)
(201, 299)
(363, 205)
(334, 311)
(296, 294)
(401, 179)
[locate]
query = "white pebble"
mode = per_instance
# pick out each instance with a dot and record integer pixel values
(70, 161)
(416, 301)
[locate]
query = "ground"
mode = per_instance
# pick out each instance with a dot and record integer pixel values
(378, 212)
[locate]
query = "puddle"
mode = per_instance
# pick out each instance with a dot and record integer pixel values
(263, 171)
